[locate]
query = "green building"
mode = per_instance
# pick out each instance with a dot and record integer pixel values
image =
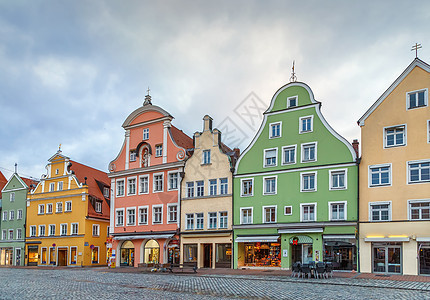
(13, 215)
(296, 188)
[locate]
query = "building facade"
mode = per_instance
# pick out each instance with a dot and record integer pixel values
(145, 179)
(295, 188)
(206, 201)
(14, 198)
(395, 177)
(68, 216)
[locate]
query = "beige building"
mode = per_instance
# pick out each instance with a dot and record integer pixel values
(394, 207)
(206, 201)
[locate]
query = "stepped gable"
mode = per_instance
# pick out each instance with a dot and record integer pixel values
(94, 177)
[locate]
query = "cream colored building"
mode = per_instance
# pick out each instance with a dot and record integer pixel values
(394, 207)
(206, 201)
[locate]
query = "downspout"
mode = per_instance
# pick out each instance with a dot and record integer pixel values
(358, 214)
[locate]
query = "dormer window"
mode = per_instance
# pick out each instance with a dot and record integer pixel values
(98, 207)
(106, 192)
(292, 102)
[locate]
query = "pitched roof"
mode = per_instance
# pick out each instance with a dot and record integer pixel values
(181, 139)
(3, 182)
(94, 177)
(415, 63)
(29, 181)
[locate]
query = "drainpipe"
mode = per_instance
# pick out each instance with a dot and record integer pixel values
(355, 145)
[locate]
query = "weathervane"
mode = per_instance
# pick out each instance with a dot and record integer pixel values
(59, 148)
(416, 47)
(293, 77)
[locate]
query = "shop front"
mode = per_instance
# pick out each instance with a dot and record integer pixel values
(341, 251)
(152, 252)
(259, 251)
(6, 256)
(127, 254)
(173, 252)
(387, 257)
(424, 258)
(33, 255)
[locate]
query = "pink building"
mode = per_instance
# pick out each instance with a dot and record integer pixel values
(145, 180)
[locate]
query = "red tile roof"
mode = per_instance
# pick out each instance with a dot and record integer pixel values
(29, 182)
(3, 182)
(181, 139)
(94, 177)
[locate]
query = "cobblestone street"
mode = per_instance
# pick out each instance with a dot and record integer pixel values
(21, 283)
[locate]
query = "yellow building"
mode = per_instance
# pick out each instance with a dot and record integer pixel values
(206, 201)
(394, 208)
(68, 216)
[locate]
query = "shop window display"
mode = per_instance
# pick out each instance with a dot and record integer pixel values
(262, 254)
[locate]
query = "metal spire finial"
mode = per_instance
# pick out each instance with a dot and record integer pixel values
(293, 77)
(416, 47)
(16, 168)
(147, 98)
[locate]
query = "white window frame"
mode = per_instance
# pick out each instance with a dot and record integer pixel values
(345, 171)
(117, 187)
(50, 226)
(128, 214)
(169, 205)
(140, 185)
(159, 150)
(271, 136)
(52, 186)
(265, 192)
(77, 229)
(252, 187)
(206, 159)
(426, 101)
(264, 157)
(139, 214)
(252, 214)
(189, 221)
(12, 197)
(11, 215)
(145, 134)
(98, 206)
(169, 185)
(315, 204)
(96, 230)
(428, 131)
(370, 167)
(49, 208)
(315, 173)
(405, 135)
(390, 208)
(44, 230)
(345, 211)
(311, 117)
(11, 234)
(199, 188)
(212, 218)
(57, 206)
(264, 214)
(60, 186)
(33, 230)
(302, 156)
(284, 148)
(133, 155)
(410, 208)
(41, 209)
(18, 233)
(129, 180)
(408, 166)
(152, 216)
(197, 221)
(4, 235)
(63, 225)
(213, 188)
(154, 183)
(291, 98)
(19, 214)
(123, 217)
(66, 206)
(221, 188)
(189, 188)
(222, 217)
(5, 215)
(106, 192)
(291, 209)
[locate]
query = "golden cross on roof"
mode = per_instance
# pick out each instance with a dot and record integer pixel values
(416, 47)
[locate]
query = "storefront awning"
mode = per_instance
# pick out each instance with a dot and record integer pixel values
(255, 239)
(338, 236)
(423, 239)
(386, 239)
(143, 237)
(301, 230)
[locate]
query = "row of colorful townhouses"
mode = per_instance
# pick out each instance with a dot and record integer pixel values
(299, 192)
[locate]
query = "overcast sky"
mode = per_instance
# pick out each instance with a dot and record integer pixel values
(72, 71)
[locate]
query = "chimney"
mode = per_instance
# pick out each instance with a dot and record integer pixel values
(207, 123)
(355, 145)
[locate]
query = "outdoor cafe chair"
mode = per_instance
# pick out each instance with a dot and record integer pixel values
(306, 270)
(329, 269)
(296, 269)
(320, 270)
